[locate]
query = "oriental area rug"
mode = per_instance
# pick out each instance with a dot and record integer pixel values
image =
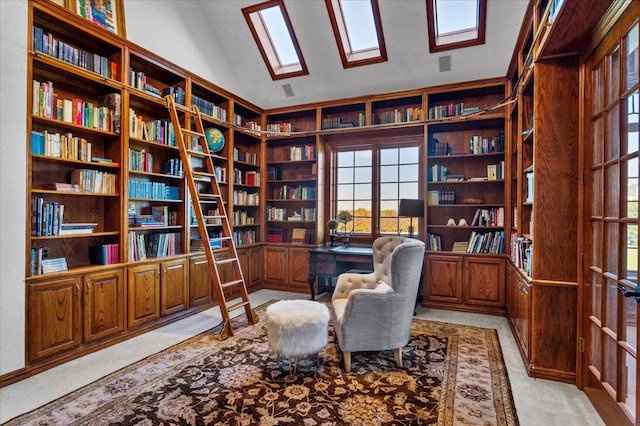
(452, 375)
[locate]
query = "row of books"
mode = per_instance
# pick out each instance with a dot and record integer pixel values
(209, 108)
(443, 196)
(140, 188)
(300, 192)
(250, 178)
(244, 237)
(240, 154)
(49, 45)
(242, 217)
(447, 110)
(400, 115)
(521, 252)
(490, 242)
(295, 235)
(482, 145)
(282, 214)
(60, 145)
(39, 264)
(46, 217)
(220, 173)
(435, 147)
(94, 181)
(158, 245)
(103, 115)
(493, 216)
(495, 171)
(106, 254)
(245, 198)
(433, 242)
(341, 123)
(160, 131)
(274, 128)
(297, 153)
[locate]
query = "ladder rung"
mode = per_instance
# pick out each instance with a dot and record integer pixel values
(237, 305)
(231, 283)
(227, 260)
(197, 174)
(207, 195)
(192, 133)
(215, 217)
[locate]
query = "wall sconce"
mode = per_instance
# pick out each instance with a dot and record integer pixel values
(411, 208)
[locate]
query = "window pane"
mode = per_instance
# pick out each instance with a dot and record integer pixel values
(389, 208)
(363, 158)
(362, 174)
(597, 77)
(362, 191)
(596, 295)
(630, 169)
(629, 390)
(633, 109)
(344, 205)
(389, 190)
(409, 172)
(631, 45)
(456, 15)
(388, 156)
(345, 175)
(630, 268)
(613, 133)
(361, 28)
(345, 158)
(345, 192)
(409, 190)
(598, 141)
(388, 173)
(409, 155)
(279, 35)
(613, 78)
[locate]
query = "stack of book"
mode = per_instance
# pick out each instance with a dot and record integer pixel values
(77, 228)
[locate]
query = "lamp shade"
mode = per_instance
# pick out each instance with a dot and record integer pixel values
(411, 208)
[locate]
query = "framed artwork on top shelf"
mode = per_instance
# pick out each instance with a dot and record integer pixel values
(107, 14)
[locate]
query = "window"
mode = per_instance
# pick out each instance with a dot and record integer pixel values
(273, 33)
(455, 23)
(358, 31)
(369, 183)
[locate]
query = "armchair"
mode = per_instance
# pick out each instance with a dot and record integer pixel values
(373, 312)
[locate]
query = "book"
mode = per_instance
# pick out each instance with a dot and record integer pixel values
(112, 102)
(160, 214)
(298, 235)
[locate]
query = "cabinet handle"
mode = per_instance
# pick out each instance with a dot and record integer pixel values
(88, 290)
(628, 293)
(77, 289)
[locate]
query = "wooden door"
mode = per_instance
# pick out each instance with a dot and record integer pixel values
(255, 268)
(54, 310)
(275, 264)
(299, 269)
(143, 294)
(519, 309)
(103, 304)
(483, 279)
(610, 326)
(443, 279)
(200, 283)
(174, 287)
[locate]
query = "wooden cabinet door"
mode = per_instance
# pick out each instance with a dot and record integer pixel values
(174, 287)
(443, 279)
(245, 267)
(103, 305)
(143, 294)
(255, 268)
(54, 317)
(483, 279)
(200, 283)
(299, 269)
(275, 264)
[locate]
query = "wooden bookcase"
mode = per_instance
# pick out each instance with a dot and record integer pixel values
(542, 304)
(465, 196)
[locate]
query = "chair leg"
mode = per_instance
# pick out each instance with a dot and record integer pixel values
(347, 361)
(398, 356)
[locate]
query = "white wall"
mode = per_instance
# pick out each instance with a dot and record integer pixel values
(13, 177)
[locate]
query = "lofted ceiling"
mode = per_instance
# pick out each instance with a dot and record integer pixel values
(239, 68)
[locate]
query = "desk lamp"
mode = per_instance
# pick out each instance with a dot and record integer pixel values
(411, 208)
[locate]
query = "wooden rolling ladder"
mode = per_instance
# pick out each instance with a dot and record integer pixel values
(211, 199)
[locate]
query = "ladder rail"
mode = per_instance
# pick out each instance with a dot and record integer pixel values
(215, 197)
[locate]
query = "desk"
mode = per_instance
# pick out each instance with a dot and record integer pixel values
(329, 262)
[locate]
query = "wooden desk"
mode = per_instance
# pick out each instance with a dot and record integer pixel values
(329, 262)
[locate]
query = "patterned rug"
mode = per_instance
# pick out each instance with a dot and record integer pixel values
(452, 375)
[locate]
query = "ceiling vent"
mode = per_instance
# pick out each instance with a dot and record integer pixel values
(287, 90)
(445, 63)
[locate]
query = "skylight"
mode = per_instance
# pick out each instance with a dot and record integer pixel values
(455, 23)
(358, 31)
(273, 33)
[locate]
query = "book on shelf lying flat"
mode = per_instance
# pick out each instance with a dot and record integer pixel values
(77, 228)
(57, 264)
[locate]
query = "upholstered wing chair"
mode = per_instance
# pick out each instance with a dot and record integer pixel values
(373, 312)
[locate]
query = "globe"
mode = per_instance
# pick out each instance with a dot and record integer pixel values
(215, 139)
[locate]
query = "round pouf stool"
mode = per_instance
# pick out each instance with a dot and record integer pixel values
(297, 328)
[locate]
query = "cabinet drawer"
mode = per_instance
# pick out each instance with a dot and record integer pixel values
(324, 268)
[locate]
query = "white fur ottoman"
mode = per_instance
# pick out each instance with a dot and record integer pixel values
(296, 328)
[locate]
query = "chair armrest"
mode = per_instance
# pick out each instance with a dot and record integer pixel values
(348, 282)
